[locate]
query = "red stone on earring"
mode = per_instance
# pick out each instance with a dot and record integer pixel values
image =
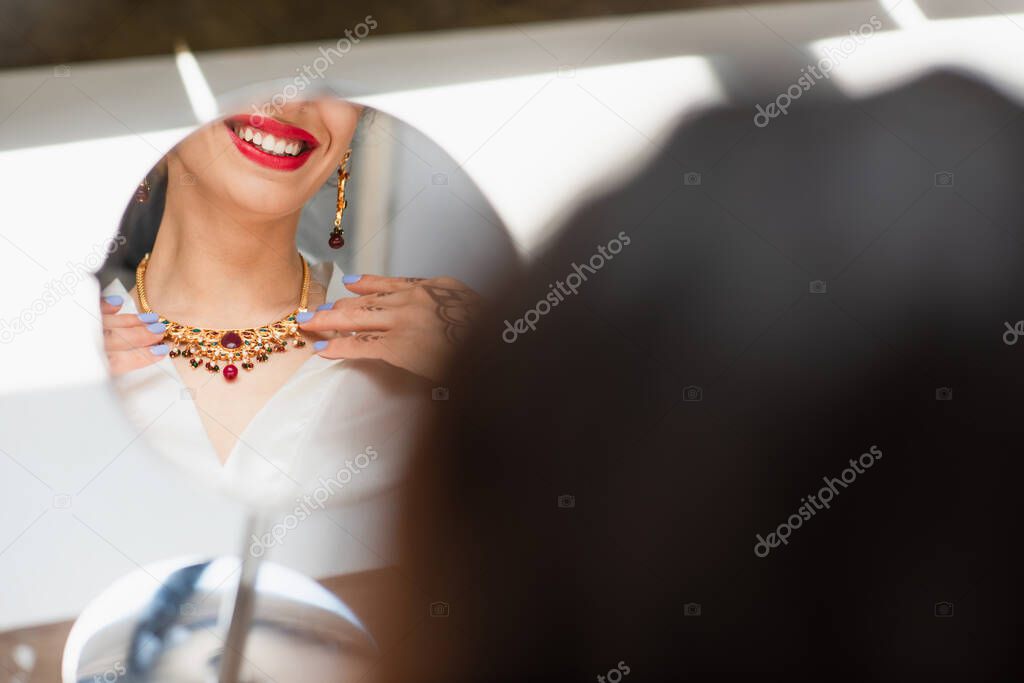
(336, 241)
(231, 340)
(230, 372)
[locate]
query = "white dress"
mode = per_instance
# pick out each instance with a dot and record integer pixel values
(337, 434)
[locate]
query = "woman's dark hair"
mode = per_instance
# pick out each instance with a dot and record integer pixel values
(136, 233)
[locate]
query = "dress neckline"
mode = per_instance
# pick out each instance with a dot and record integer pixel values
(327, 271)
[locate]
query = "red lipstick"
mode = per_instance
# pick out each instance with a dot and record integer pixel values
(264, 126)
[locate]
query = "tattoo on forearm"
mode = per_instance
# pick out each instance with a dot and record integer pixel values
(455, 307)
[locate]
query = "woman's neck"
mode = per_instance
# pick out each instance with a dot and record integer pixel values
(211, 268)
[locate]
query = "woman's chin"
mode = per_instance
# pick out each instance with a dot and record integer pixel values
(261, 198)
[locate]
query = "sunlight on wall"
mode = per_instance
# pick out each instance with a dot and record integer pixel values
(561, 133)
(989, 48)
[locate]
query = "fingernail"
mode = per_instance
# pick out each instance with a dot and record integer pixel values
(149, 317)
(157, 328)
(320, 345)
(349, 279)
(304, 317)
(325, 307)
(114, 300)
(159, 349)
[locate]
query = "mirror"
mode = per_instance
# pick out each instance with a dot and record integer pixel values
(235, 238)
(287, 286)
(168, 630)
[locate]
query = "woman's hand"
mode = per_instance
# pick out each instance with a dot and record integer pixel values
(413, 323)
(130, 341)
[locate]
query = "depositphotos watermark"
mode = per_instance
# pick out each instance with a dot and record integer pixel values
(811, 505)
(1013, 332)
(813, 73)
(111, 675)
(615, 674)
(313, 71)
(561, 289)
(58, 288)
(306, 505)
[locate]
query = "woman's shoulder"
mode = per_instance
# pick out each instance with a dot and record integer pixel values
(330, 278)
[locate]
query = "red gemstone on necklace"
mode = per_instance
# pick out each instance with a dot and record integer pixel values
(336, 241)
(230, 372)
(231, 340)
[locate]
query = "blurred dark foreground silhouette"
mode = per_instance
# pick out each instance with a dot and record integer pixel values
(651, 478)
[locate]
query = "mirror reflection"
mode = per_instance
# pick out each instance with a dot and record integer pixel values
(286, 292)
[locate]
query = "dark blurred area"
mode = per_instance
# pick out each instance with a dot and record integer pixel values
(61, 31)
(589, 501)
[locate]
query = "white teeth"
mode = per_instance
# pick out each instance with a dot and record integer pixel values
(268, 143)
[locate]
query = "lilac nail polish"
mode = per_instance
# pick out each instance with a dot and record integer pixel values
(349, 279)
(149, 317)
(157, 328)
(325, 307)
(159, 349)
(114, 300)
(304, 317)
(320, 345)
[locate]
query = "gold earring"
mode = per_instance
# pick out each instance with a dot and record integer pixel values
(337, 239)
(142, 191)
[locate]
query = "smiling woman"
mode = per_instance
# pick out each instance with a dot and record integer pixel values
(288, 365)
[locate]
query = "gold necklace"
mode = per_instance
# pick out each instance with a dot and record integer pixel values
(214, 347)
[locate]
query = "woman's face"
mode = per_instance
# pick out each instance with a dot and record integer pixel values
(266, 166)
